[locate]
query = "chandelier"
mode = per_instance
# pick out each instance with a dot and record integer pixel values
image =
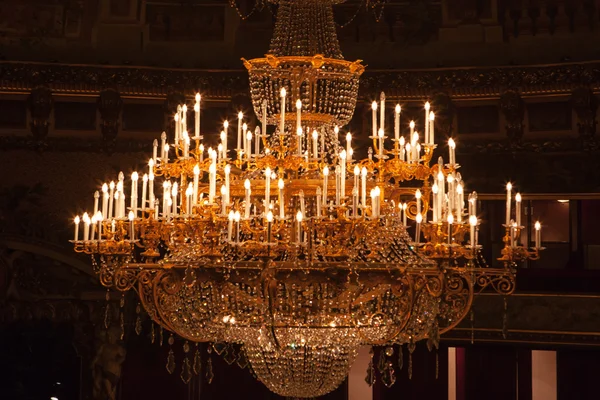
(289, 245)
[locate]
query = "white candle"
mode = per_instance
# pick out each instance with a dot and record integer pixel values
(343, 173)
(518, 208)
(299, 218)
(282, 112)
(236, 218)
(323, 143)
(212, 178)
(404, 206)
(174, 193)
(318, 201)
(131, 227)
(382, 111)
(349, 146)
(77, 220)
(177, 126)
(144, 190)
(374, 108)
(223, 137)
(163, 142)
(239, 132)
(267, 188)
(154, 150)
(134, 190)
(264, 118)
(269, 224)
(248, 151)
(426, 121)
(363, 174)
(508, 197)
(86, 226)
(189, 192)
(381, 134)
(473, 225)
(418, 197)
(281, 185)
(451, 193)
(111, 199)
(104, 199)
(299, 141)
(373, 208)
(538, 234)
(401, 148)
(223, 199)
(460, 206)
(512, 233)
(397, 122)
(165, 155)
(298, 114)
(315, 138)
(230, 225)
(257, 137)
(166, 198)
(325, 178)
(418, 219)
(434, 197)
(183, 120)
(197, 119)
(451, 151)
(337, 185)
(247, 199)
(450, 222)
(151, 189)
(195, 187)
(431, 128)
(441, 194)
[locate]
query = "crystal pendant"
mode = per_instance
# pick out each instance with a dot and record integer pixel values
(186, 371)
(400, 358)
(230, 355)
(209, 371)
(160, 336)
(197, 361)
(219, 348)
(370, 378)
(152, 333)
(388, 376)
(171, 362)
(242, 360)
(382, 363)
(107, 311)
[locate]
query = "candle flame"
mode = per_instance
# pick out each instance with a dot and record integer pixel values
(398, 108)
(374, 105)
(538, 226)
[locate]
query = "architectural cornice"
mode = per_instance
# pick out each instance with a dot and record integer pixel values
(151, 82)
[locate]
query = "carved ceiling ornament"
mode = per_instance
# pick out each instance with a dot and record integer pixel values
(585, 105)
(110, 106)
(513, 109)
(40, 105)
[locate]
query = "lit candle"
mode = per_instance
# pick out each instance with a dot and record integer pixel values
(460, 206)
(86, 226)
(248, 145)
(267, 188)
(325, 178)
(356, 176)
(473, 225)
(166, 198)
(302, 203)
(201, 152)
(415, 146)
(323, 143)
(174, 193)
(382, 111)
(538, 234)
(183, 119)
(418, 219)
(131, 227)
(337, 185)
(248, 191)
(298, 114)
(186, 145)
(239, 132)
(451, 193)
(377, 200)
(404, 216)
(363, 174)
(397, 122)
(227, 170)
(409, 153)
(299, 218)
(230, 218)
(269, 223)
(355, 201)
(518, 208)
(450, 222)
(223, 199)
(77, 220)
(315, 138)
(508, 197)
(165, 154)
(282, 112)
(177, 126)
(281, 185)
(223, 137)
(104, 198)
(374, 108)
(513, 228)
(373, 207)
(451, 151)
(418, 197)
(144, 190)
(154, 150)
(349, 146)
(401, 148)
(431, 128)
(426, 121)
(236, 218)
(197, 119)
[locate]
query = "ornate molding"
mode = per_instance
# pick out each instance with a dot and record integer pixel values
(40, 106)
(150, 82)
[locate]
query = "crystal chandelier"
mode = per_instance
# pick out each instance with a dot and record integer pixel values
(289, 245)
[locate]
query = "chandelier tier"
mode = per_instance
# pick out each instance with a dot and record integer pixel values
(290, 246)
